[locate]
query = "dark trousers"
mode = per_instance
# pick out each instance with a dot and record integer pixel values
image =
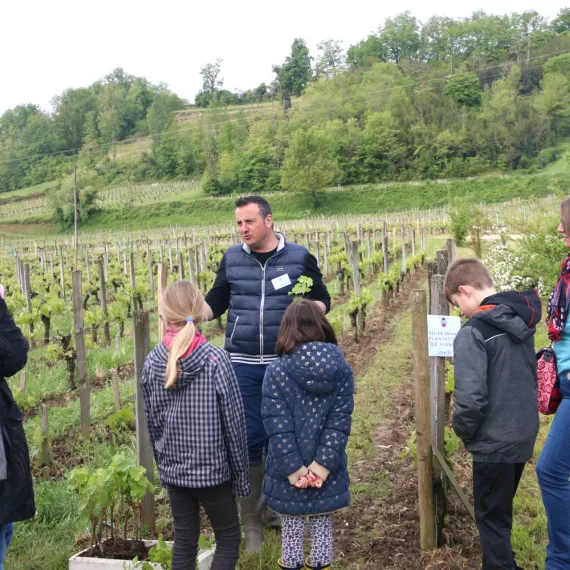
(220, 506)
(494, 486)
(250, 381)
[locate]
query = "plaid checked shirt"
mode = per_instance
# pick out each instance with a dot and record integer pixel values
(197, 429)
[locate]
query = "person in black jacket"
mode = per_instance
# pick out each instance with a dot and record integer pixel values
(496, 408)
(16, 489)
(253, 283)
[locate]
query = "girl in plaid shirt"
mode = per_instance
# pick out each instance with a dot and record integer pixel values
(196, 424)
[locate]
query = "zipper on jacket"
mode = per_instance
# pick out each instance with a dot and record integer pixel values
(234, 330)
(262, 302)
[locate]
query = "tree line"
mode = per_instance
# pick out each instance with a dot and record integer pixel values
(444, 98)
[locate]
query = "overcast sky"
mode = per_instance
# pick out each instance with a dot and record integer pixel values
(49, 46)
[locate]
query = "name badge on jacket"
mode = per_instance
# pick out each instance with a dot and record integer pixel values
(281, 281)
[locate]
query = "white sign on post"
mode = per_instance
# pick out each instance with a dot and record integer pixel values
(442, 330)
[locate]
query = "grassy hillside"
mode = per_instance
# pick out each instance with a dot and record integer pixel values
(192, 209)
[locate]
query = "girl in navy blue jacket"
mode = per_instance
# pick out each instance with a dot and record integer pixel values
(307, 406)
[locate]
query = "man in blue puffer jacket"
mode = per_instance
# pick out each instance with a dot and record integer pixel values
(253, 281)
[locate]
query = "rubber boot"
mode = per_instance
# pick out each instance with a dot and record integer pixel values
(250, 511)
(271, 518)
(318, 566)
(298, 567)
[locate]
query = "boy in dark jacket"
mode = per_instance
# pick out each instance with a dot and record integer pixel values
(496, 410)
(16, 491)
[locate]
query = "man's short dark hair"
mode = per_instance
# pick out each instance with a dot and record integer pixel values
(264, 207)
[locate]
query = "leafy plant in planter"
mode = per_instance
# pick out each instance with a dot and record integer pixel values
(111, 498)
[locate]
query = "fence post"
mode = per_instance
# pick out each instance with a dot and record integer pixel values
(144, 448)
(162, 279)
(46, 455)
(150, 274)
(28, 294)
(451, 248)
(181, 265)
(82, 380)
(425, 459)
(438, 306)
(103, 296)
(23, 381)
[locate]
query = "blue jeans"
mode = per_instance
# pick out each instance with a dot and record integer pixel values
(250, 380)
(6, 533)
(553, 470)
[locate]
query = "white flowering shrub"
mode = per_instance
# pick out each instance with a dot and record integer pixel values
(503, 263)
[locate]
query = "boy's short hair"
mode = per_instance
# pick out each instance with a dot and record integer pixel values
(466, 272)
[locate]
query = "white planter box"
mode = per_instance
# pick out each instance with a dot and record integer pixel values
(79, 562)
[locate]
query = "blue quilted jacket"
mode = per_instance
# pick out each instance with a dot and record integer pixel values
(256, 306)
(307, 406)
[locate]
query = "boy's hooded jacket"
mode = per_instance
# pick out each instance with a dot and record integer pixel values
(16, 486)
(197, 429)
(496, 411)
(307, 406)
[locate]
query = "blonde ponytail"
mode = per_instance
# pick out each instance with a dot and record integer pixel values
(181, 304)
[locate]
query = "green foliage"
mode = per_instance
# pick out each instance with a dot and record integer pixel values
(24, 401)
(310, 164)
(464, 89)
(302, 287)
(121, 421)
(460, 226)
(62, 200)
(449, 378)
(110, 497)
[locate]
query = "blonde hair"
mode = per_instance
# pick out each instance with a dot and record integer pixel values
(180, 301)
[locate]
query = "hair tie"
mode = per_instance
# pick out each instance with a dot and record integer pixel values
(190, 320)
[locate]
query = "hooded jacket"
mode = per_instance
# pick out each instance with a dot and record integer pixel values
(496, 412)
(16, 488)
(307, 406)
(197, 428)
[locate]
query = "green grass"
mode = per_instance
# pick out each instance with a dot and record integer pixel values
(29, 190)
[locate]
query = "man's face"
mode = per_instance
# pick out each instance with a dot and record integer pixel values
(253, 228)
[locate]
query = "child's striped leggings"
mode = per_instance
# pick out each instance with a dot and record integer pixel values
(293, 534)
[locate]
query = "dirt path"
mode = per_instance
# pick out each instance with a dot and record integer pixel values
(380, 530)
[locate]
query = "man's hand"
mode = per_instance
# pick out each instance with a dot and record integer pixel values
(207, 315)
(321, 306)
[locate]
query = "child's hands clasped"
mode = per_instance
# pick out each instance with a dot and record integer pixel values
(309, 480)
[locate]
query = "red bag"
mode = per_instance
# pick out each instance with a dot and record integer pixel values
(549, 396)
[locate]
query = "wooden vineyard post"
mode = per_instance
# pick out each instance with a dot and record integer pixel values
(191, 273)
(385, 249)
(181, 265)
(451, 248)
(46, 455)
(438, 306)
(423, 435)
(133, 281)
(28, 294)
(87, 268)
(150, 273)
(103, 297)
(144, 448)
(356, 282)
(116, 393)
(62, 274)
(23, 381)
(82, 380)
(326, 258)
(162, 280)
(403, 271)
(413, 242)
